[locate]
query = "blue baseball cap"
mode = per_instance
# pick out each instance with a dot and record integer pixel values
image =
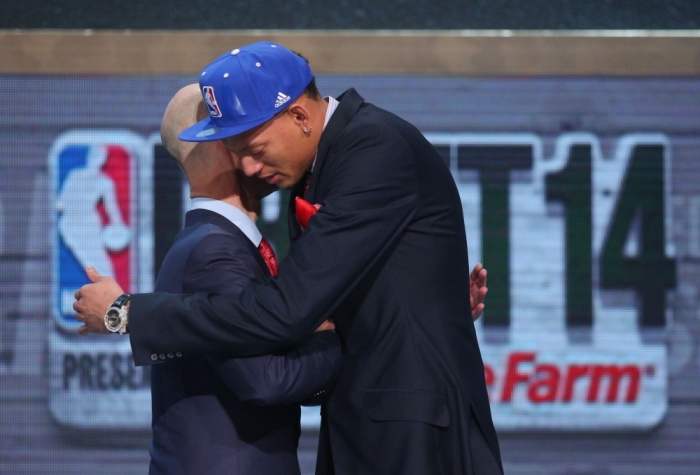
(247, 87)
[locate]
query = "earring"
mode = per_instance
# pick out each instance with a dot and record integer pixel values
(306, 131)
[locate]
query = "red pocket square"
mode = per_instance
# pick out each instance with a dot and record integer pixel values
(303, 211)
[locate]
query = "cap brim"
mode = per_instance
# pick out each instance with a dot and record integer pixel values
(206, 131)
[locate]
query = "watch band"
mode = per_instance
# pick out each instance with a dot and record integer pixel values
(122, 300)
(117, 315)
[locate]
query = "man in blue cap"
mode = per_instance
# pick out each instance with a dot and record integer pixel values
(385, 255)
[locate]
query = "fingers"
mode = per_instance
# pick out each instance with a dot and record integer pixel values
(482, 277)
(477, 311)
(479, 296)
(92, 274)
(477, 269)
(478, 275)
(83, 329)
(327, 325)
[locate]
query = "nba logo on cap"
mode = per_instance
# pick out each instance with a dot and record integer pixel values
(210, 101)
(93, 185)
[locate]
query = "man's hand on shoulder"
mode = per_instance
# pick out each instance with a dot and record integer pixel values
(93, 300)
(477, 290)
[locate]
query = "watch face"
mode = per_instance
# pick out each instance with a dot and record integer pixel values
(113, 319)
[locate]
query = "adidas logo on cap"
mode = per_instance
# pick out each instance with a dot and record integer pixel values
(281, 99)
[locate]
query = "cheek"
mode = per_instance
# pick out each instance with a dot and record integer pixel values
(301, 168)
(236, 162)
(286, 160)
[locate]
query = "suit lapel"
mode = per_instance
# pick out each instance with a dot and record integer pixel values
(292, 223)
(350, 102)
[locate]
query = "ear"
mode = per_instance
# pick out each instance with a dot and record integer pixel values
(300, 114)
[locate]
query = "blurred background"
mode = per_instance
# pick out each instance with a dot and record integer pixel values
(571, 128)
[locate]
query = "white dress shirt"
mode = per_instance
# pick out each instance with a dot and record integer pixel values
(332, 106)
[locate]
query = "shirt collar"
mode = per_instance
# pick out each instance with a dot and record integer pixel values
(233, 214)
(332, 106)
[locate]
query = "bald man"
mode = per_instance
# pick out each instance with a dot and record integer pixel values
(215, 415)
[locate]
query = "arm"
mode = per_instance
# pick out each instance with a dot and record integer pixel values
(284, 378)
(370, 184)
(370, 200)
(220, 264)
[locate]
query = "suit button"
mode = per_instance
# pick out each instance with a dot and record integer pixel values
(162, 356)
(179, 354)
(171, 356)
(154, 357)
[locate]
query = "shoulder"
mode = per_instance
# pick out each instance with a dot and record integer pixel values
(211, 240)
(378, 130)
(372, 121)
(377, 143)
(221, 263)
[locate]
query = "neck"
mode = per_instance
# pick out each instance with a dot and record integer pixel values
(235, 200)
(320, 118)
(250, 207)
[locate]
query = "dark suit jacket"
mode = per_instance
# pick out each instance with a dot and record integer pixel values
(207, 417)
(387, 255)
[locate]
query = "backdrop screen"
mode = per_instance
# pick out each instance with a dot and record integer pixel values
(581, 196)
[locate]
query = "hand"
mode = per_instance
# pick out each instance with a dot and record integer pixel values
(477, 290)
(93, 300)
(326, 326)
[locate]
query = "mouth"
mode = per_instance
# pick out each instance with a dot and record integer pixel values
(271, 179)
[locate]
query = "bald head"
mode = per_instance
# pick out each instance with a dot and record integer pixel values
(185, 109)
(209, 166)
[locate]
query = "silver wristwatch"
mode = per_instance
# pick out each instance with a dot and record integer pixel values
(117, 315)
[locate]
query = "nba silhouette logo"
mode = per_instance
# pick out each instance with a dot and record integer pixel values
(93, 187)
(210, 101)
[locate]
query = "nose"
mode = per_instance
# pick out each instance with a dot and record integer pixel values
(250, 166)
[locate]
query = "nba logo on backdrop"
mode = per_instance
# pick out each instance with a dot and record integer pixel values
(94, 182)
(101, 201)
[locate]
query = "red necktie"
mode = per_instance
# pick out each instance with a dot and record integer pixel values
(269, 255)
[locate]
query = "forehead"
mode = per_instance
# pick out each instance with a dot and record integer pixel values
(241, 142)
(259, 135)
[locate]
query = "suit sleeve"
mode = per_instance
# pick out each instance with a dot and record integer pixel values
(370, 184)
(303, 372)
(286, 377)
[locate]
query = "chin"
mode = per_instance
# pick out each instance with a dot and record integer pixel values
(284, 186)
(267, 189)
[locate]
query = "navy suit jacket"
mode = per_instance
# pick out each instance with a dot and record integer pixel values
(219, 415)
(386, 254)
